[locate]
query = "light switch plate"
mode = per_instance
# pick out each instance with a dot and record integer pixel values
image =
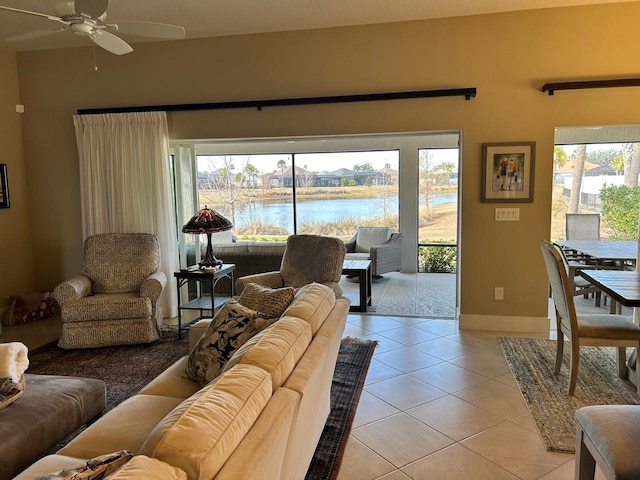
(507, 214)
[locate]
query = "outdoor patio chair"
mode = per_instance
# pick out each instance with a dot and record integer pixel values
(582, 226)
(116, 299)
(380, 245)
(590, 329)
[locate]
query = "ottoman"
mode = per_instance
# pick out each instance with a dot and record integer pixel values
(50, 409)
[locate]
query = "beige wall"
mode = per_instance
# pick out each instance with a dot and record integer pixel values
(506, 56)
(16, 261)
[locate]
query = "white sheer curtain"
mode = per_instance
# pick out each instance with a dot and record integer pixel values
(125, 183)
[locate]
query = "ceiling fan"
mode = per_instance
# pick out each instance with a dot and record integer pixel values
(87, 18)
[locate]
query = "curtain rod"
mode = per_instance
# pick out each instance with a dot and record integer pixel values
(467, 93)
(621, 82)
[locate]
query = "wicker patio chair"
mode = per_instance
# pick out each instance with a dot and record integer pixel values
(380, 245)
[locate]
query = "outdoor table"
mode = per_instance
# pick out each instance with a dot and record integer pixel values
(603, 251)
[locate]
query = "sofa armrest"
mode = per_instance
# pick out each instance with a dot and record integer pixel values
(197, 330)
(268, 279)
(153, 285)
(72, 289)
(388, 256)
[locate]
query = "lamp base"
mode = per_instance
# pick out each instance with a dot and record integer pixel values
(209, 260)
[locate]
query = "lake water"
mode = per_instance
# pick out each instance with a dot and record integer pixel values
(324, 211)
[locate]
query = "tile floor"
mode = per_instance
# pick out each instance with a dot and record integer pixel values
(440, 403)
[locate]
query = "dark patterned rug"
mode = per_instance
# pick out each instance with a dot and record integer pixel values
(531, 362)
(126, 369)
(352, 365)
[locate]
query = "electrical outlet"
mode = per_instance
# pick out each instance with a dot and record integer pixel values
(499, 293)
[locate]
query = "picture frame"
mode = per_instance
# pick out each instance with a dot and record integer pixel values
(508, 171)
(4, 186)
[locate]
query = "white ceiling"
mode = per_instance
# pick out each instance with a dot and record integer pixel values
(208, 18)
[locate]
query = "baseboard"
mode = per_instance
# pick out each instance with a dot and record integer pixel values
(504, 324)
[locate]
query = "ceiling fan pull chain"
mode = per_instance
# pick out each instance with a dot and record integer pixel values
(95, 62)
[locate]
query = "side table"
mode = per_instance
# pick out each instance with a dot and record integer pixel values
(204, 302)
(361, 268)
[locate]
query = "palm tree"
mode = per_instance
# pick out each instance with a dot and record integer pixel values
(559, 157)
(631, 155)
(281, 164)
(576, 181)
(251, 173)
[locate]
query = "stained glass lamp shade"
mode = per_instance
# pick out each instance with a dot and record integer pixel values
(207, 221)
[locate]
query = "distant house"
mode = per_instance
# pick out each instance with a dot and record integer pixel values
(336, 178)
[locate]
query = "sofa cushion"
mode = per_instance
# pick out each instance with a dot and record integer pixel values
(142, 466)
(94, 469)
(201, 433)
(267, 248)
(231, 327)
(312, 303)
(276, 349)
(368, 237)
(268, 301)
(218, 238)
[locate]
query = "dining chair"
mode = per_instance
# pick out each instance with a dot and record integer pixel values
(580, 285)
(582, 226)
(585, 330)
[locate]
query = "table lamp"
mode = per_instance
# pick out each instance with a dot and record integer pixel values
(207, 221)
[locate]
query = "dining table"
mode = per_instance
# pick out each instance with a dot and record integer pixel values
(602, 251)
(623, 287)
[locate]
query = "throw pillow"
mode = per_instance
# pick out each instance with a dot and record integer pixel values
(270, 302)
(140, 467)
(10, 390)
(32, 307)
(229, 329)
(97, 468)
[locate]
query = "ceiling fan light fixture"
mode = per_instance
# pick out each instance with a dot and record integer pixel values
(82, 29)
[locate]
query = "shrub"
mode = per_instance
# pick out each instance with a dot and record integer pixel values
(437, 259)
(620, 206)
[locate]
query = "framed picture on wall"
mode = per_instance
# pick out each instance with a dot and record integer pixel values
(4, 186)
(507, 171)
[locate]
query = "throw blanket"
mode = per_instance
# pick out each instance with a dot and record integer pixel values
(13, 363)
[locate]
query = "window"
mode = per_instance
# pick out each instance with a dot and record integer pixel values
(270, 196)
(593, 174)
(438, 209)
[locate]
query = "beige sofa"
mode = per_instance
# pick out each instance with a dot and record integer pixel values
(259, 420)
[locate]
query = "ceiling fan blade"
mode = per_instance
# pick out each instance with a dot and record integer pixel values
(150, 29)
(37, 14)
(110, 42)
(91, 8)
(36, 34)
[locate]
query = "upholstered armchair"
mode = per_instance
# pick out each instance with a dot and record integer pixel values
(307, 259)
(116, 299)
(380, 245)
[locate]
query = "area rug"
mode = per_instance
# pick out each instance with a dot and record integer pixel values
(353, 362)
(531, 362)
(126, 369)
